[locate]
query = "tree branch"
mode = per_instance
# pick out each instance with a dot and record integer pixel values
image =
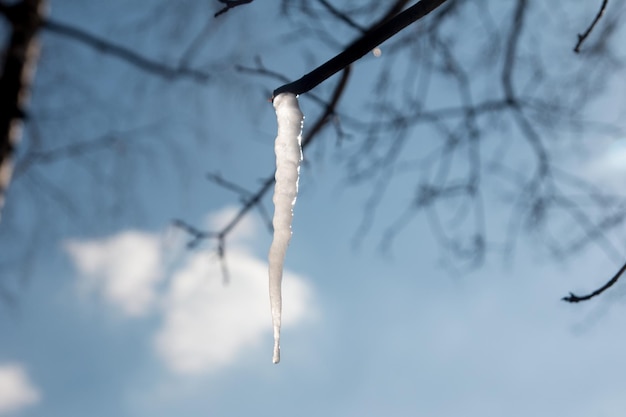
(253, 200)
(342, 16)
(123, 53)
(360, 47)
(582, 37)
(231, 4)
(572, 298)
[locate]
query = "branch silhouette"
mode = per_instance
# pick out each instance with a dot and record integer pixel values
(125, 54)
(583, 36)
(357, 49)
(573, 298)
(250, 201)
(230, 4)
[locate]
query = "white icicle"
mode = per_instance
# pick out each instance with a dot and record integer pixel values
(288, 156)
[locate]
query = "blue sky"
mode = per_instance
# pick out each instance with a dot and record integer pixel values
(113, 316)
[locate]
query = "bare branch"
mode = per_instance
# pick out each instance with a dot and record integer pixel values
(260, 69)
(582, 37)
(228, 185)
(196, 234)
(231, 4)
(572, 298)
(106, 142)
(330, 109)
(342, 16)
(244, 194)
(360, 47)
(221, 253)
(123, 53)
(255, 199)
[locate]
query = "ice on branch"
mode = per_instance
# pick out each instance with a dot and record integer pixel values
(288, 150)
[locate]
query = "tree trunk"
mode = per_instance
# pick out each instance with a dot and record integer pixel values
(20, 58)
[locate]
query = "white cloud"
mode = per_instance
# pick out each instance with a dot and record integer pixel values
(16, 390)
(124, 268)
(609, 165)
(206, 324)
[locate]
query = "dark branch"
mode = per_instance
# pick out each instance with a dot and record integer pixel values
(392, 11)
(370, 40)
(123, 53)
(581, 38)
(250, 203)
(221, 253)
(243, 194)
(261, 70)
(217, 179)
(572, 298)
(255, 199)
(196, 234)
(330, 109)
(231, 4)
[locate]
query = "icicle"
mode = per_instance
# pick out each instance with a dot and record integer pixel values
(288, 156)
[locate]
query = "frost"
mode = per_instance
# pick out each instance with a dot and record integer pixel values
(288, 156)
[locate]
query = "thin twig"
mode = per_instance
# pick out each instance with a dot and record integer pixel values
(342, 16)
(370, 40)
(221, 253)
(330, 108)
(244, 194)
(262, 70)
(581, 38)
(255, 199)
(572, 298)
(228, 185)
(231, 4)
(121, 52)
(196, 234)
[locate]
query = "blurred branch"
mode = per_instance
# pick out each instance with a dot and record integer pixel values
(572, 298)
(123, 53)
(198, 236)
(231, 4)
(219, 180)
(255, 199)
(260, 69)
(370, 40)
(582, 37)
(110, 141)
(562, 221)
(392, 11)
(342, 16)
(244, 194)
(330, 108)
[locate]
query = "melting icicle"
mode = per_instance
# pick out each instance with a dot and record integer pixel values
(288, 156)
